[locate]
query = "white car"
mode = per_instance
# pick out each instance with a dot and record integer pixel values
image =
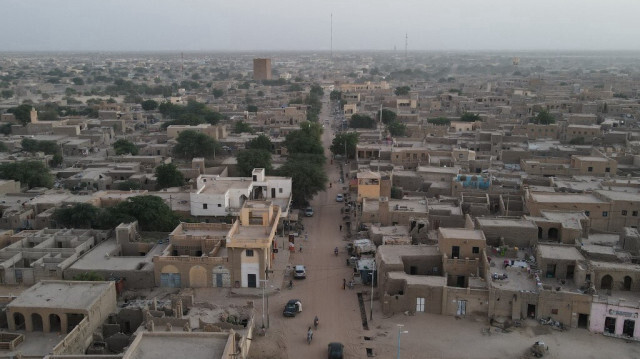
(299, 272)
(339, 197)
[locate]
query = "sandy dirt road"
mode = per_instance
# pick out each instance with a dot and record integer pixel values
(321, 292)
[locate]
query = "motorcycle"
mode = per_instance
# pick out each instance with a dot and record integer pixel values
(309, 336)
(335, 251)
(290, 284)
(315, 322)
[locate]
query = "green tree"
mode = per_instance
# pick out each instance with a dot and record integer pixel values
(149, 105)
(29, 173)
(5, 129)
(77, 81)
(80, 215)
(402, 90)
(48, 147)
(335, 95)
(151, 212)
(338, 144)
(361, 121)
(48, 115)
(249, 159)
(577, 141)
(388, 116)
(7, 93)
(295, 88)
(22, 113)
(305, 140)
(167, 175)
(217, 93)
(241, 127)
(128, 186)
(439, 121)
(307, 178)
(123, 146)
(470, 117)
(262, 142)
(544, 118)
(396, 192)
(397, 129)
(89, 277)
(195, 144)
(252, 108)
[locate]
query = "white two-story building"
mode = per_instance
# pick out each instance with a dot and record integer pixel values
(217, 196)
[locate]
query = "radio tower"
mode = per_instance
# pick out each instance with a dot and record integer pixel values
(332, 35)
(406, 44)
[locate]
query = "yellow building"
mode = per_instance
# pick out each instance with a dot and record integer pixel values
(368, 185)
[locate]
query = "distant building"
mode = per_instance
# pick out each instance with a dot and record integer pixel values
(261, 69)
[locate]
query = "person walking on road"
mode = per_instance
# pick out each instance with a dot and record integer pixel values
(340, 228)
(344, 284)
(301, 248)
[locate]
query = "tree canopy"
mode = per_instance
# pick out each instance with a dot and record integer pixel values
(262, 142)
(193, 113)
(306, 140)
(402, 90)
(396, 128)
(308, 179)
(151, 212)
(361, 121)
(335, 95)
(195, 144)
(22, 113)
(338, 144)
(544, 118)
(470, 117)
(167, 175)
(305, 162)
(123, 146)
(241, 127)
(439, 121)
(253, 158)
(149, 105)
(29, 173)
(388, 116)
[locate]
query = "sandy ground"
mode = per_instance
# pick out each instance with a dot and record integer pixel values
(429, 336)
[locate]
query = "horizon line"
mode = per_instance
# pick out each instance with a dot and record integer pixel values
(316, 50)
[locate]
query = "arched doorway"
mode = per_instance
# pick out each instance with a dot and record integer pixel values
(540, 232)
(197, 277)
(606, 282)
(18, 319)
(553, 233)
(55, 324)
(627, 283)
(36, 322)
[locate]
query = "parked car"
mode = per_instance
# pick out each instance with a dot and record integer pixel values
(335, 350)
(299, 272)
(308, 212)
(339, 197)
(293, 307)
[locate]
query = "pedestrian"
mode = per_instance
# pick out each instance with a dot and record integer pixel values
(301, 248)
(340, 228)
(344, 283)
(306, 236)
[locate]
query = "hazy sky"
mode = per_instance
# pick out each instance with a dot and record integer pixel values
(111, 25)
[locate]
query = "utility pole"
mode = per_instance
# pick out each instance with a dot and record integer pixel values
(263, 282)
(373, 271)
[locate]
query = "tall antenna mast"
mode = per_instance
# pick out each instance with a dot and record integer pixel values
(406, 44)
(332, 35)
